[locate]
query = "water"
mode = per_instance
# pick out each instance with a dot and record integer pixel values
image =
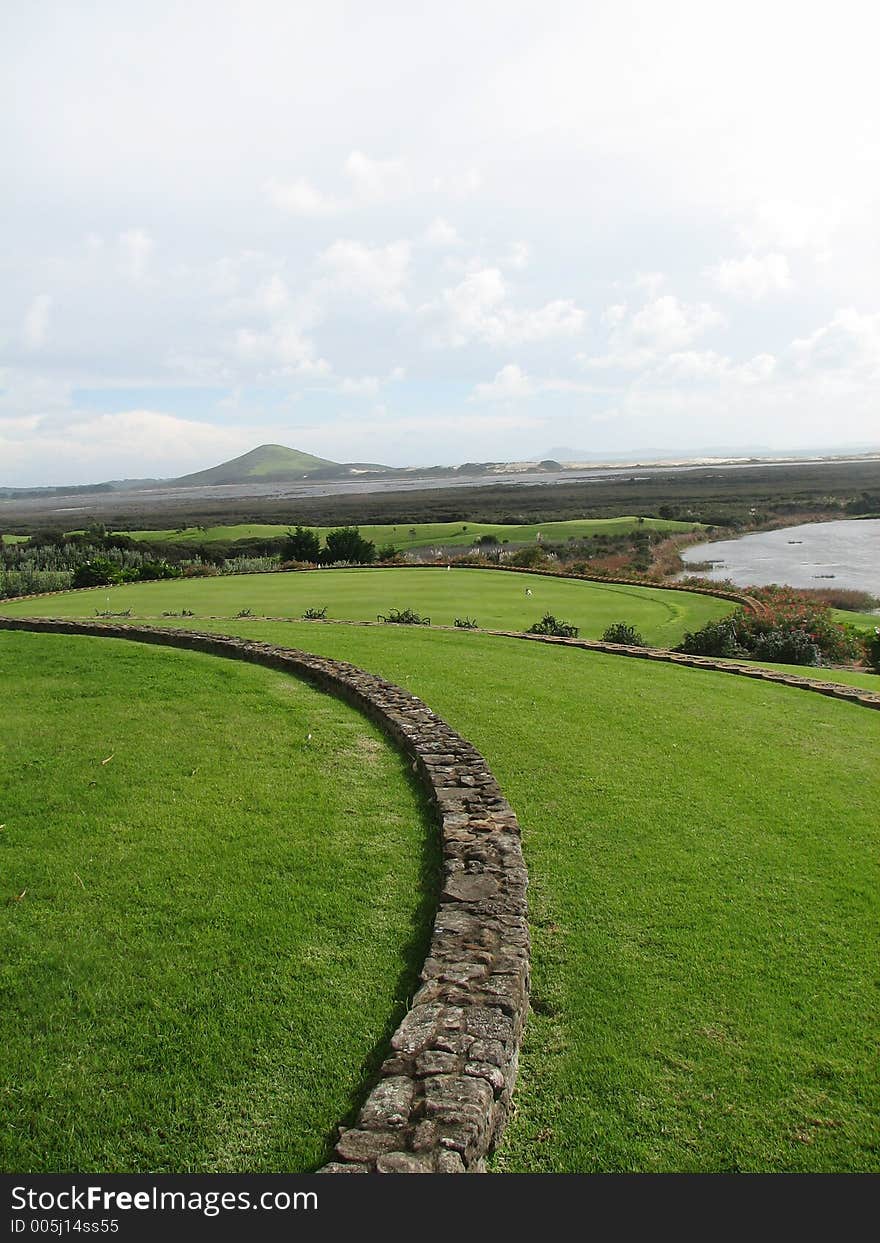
(817, 554)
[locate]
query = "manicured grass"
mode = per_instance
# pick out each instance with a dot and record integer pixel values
(497, 599)
(205, 940)
(703, 894)
(864, 621)
(15, 539)
(426, 534)
(848, 677)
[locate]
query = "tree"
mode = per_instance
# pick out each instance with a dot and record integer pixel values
(302, 544)
(97, 573)
(347, 544)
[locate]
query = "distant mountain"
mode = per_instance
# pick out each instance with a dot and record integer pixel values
(265, 464)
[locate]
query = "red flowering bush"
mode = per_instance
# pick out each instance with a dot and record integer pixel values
(789, 611)
(791, 629)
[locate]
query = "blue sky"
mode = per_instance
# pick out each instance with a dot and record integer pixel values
(419, 234)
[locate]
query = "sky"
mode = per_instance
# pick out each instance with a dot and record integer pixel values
(434, 233)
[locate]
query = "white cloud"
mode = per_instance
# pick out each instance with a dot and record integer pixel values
(370, 182)
(376, 274)
(476, 310)
(36, 322)
(127, 444)
(698, 366)
(282, 347)
(668, 324)
(753, 278)
(849, 343)
(377, 181)
(661, 327)
(441, 233)
(135, 251)
(792, 224)
(301, 198)
(510, 383)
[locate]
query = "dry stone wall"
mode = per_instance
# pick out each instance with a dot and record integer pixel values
(445, 1089)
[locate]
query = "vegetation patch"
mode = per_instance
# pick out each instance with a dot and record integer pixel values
(217, 886)
(500, 599)
(553, 626)
(403, 617)
(620, 632)
(703, 942)
(790, 629)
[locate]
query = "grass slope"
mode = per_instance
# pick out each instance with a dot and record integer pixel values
(218, 926)
(497, 599)
(427, 534)
(863, 621)
(265, 462)
(704, 901)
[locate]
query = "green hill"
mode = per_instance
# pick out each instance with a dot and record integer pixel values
(268, 463)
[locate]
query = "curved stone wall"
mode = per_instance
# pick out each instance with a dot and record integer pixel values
(444, 1091)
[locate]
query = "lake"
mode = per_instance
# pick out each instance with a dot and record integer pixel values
(817, 554)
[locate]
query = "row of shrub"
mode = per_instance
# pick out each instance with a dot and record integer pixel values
(791, 630)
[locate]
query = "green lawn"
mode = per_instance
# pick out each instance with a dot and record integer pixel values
(426, 534)
(864, 621)
(848, 677)
(205, 940)
(496, 599)
(703, 890)
(704, 901)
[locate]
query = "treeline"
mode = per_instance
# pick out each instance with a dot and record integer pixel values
(96, 557)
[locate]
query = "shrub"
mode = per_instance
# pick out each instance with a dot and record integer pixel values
(97, 573)
(301, 545)
(791, 630)
(403, 617)
(347, 544)
(620, 632)
(551, 625)
(530, 556)
(872, 649)
(244, 613)
(315, 614)
(466, 623)
(716, 638)
(786, 647)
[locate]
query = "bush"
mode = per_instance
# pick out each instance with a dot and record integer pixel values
(786, 647)
(403, 617)
(466, 623)
(315, 614)
(97, 573)
(551, 625)
(347, 544)
(872, 649)
(620, 632)
(716, 638)
(791, 630)
(528, 557)
(301, 545)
